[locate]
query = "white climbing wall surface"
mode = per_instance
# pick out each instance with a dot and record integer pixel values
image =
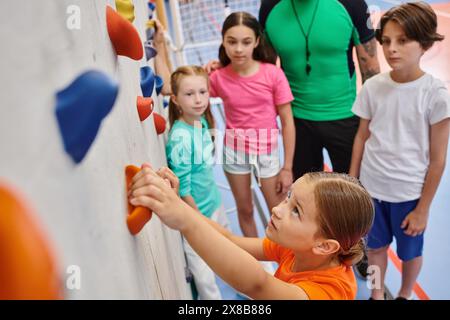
(82, 207)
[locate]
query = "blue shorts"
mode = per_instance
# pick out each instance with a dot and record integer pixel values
(388, 219)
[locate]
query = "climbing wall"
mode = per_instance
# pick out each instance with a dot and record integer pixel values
(81, 207)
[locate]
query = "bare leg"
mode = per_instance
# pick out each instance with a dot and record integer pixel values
(240, 186)
(378, 257)
(268, 188)
(410, 272)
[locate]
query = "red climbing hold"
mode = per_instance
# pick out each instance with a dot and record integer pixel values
(124, 36)
(160, 123)
(144, 107)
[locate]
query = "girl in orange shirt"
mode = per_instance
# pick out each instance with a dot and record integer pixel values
(315, 235)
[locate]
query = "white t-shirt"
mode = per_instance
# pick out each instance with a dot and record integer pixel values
(396, 155)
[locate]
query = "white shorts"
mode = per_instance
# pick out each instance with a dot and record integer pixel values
(240, 162)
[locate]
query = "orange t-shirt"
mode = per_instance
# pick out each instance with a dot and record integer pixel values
(338, 283)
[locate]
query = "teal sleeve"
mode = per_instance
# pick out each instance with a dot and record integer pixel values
(179, 158)
(183, 172)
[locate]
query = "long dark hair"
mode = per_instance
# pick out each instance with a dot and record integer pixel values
(175, 79)
(263, 52)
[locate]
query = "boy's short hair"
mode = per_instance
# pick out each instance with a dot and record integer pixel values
(418, 20)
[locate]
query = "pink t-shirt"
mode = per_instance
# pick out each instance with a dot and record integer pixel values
(250, 106)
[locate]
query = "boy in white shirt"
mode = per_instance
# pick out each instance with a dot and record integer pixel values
(400, 149)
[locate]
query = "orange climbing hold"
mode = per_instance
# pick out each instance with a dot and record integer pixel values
(160, 123)
(137, 216)
(28, 268)
(124, 36)
(126, 9)
(144, 107)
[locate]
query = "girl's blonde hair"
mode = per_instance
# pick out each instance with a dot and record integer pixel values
(345, 212)
(175, 79)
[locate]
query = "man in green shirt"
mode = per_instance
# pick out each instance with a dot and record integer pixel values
(314, 40)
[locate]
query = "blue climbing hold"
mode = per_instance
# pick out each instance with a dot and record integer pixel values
(159, 83)
(80, 109)
(147, 81)
(151, 6)
(150, 52)
(165, 103)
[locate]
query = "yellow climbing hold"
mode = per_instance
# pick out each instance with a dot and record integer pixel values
(150, 24)
(126, 9)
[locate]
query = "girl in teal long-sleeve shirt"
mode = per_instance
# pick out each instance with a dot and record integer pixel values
(190, 155)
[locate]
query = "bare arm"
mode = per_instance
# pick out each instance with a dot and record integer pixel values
(254, 246)
(251, 245)
(416, 222)
(191, 202)
(161, 59)
(438, 152)
(288, 132)
(367, 59)
(361, 137)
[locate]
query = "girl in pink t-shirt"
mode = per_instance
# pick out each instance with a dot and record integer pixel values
(254, 91)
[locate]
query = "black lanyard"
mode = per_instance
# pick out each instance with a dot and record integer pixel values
(306, 35)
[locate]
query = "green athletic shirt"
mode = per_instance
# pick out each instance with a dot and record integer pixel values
(329, 91)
